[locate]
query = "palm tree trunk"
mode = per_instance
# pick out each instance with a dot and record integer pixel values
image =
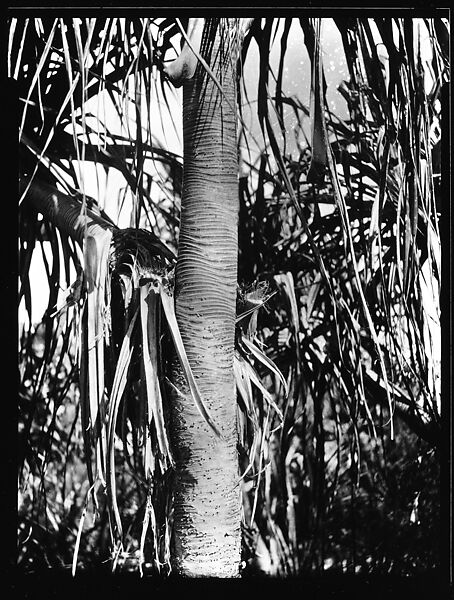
(206, 531)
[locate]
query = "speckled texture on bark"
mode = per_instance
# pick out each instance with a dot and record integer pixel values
(206, 531)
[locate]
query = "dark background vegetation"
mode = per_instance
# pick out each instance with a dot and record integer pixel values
(339, 495)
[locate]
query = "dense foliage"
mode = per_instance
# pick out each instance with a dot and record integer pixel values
(339, 278)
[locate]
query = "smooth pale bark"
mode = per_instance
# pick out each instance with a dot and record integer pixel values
(206, 528)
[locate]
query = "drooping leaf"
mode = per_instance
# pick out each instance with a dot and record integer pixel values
(169, 310)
